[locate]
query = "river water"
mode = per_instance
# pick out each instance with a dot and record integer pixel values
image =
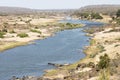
(65, 47)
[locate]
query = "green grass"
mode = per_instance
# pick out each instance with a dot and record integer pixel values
(2, 34)
(69, 25)
(92, 42)
(22, 35)
(36, 31)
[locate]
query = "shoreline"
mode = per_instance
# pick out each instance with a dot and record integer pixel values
(99, 46)
(48, 73)
(8, 43)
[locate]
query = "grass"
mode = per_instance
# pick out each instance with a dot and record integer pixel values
(9, 45)
(12, 31)
(92, 42)
(118, 39)
(22, 35)
(69, 25)
(36, 31)
(51, 72)
(2, 34)
(104, 74)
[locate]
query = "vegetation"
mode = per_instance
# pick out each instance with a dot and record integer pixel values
(92, 42)
(117, 18)
(36, 31)
(104, 9)
(88, 15)
(69, 25)
(2, 34)
(94, 29)
(22, 35)
(104, 62)
(104, 75)
(12, 31)
(118, 13)
(96, 16)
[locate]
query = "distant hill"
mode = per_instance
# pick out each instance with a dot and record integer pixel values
(15, 10)
(100, 8)
(19, 10)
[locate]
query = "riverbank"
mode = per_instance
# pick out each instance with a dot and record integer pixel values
(105, 42)
(39, 29)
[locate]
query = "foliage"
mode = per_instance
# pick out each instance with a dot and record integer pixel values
(96, 16)
(12, 31)
(84, 15)
(92, 42)
(34, 30)
(22, 35)
(118, 13)
(5, 24)
(4, 30)
(104, 62)
(118, 21)
(101, 48)
(2, 34)
(104, 74)
(69, 25)
(81, 14)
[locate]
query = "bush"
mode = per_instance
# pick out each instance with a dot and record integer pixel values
(101, 48)
(96, 16)
(118, 13)
(22, 35)
(104, 62)
(33, 30)
(2, 34)
(12, 31)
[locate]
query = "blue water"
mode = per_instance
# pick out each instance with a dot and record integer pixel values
(65, 47)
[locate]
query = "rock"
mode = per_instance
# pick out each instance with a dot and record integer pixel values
(57, 65)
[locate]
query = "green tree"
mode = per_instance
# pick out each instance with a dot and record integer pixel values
(96, 16)
(118, 13)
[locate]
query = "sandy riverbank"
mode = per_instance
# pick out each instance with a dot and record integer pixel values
(11, 40)
(45, 28)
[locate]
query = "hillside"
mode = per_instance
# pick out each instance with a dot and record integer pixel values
(100, 8)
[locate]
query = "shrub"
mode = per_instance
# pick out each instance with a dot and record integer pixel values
(22, 35)
(2, 34)
(93, 55)
(96, 16)
(104, 62)
(101, 48)
(104, 74)
(12, 31)
(118, 13)
(4, 30)
(33, 30)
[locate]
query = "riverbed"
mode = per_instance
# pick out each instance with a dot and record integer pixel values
(65, 47)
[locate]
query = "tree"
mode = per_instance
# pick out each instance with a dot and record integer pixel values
(118, 13)
(96, 16)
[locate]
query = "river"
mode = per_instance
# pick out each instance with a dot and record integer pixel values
(65, 47)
